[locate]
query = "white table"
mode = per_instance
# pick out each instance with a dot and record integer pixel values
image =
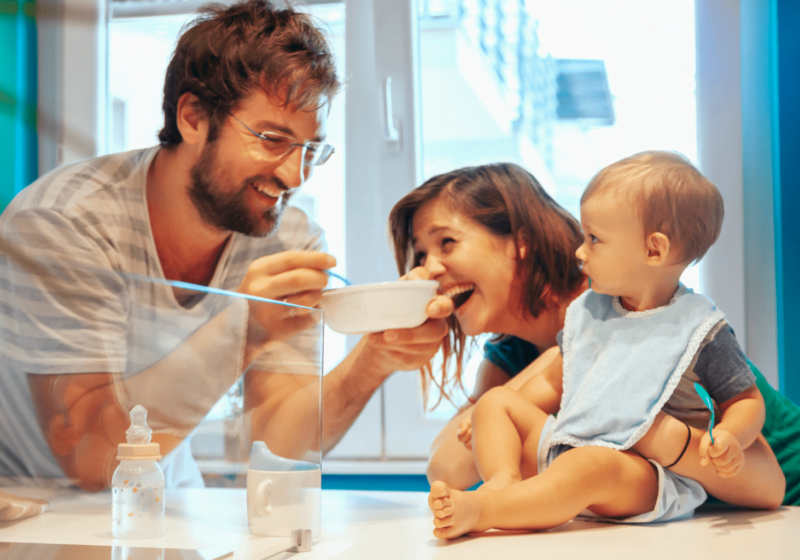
(398, 525)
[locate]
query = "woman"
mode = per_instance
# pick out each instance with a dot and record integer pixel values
(504, 251)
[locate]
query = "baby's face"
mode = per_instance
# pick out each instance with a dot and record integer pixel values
(613, 250)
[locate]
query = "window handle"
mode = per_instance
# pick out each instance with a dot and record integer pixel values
(391, 126)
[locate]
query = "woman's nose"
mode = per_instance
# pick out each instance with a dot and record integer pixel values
(434, 266)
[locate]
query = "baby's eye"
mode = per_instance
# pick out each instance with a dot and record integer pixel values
(447, 240)
(593, 239)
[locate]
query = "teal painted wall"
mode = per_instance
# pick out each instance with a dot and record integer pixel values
(18, 143)
(786, 172)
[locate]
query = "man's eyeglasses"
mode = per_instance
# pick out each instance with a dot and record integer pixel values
(277, 146)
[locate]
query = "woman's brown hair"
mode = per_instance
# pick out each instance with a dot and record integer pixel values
(227, 51)
(508, 201)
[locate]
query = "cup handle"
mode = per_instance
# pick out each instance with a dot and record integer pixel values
(262, 497)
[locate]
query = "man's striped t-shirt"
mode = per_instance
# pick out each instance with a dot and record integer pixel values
(74, 239)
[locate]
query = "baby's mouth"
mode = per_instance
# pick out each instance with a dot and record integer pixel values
(460, 294)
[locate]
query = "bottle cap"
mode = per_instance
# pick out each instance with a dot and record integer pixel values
(138, 435)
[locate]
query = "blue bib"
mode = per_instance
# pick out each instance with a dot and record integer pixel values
(620, 367)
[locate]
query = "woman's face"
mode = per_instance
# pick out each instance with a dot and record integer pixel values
(473, 266)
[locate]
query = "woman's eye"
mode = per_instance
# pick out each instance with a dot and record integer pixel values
(419, 258)
(447, 240)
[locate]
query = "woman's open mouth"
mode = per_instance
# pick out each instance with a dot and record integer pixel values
(460, 293)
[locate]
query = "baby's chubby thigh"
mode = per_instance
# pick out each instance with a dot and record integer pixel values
(502, 410)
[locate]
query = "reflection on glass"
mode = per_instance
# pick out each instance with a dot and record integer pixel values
(179, 349)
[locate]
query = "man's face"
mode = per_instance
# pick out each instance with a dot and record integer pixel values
(237, 185)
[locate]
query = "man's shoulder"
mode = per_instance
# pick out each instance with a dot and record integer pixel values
(101, 183)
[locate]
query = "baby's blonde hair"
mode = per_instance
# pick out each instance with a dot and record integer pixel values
(670, 196)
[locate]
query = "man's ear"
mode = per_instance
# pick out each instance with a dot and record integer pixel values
(657, 247)
(192, 123)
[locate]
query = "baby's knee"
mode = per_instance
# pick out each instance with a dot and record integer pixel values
(494, 399)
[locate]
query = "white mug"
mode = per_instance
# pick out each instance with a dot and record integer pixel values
(279, 502)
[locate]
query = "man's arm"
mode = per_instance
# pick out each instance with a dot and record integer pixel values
(285, 406)
(83, 422)
(449, 460)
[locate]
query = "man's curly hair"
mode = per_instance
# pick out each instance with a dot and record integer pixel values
(227, 51)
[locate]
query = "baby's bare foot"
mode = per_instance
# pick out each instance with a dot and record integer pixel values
(455, 513)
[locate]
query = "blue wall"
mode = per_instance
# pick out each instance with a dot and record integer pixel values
(786, 173)
(18, 144)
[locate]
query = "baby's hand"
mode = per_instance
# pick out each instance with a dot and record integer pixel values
(465, 433)
(726, 453)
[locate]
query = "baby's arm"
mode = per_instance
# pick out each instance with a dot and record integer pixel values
(742, 419)
(543, 390)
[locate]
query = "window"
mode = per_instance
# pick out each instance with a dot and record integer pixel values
(561, 86)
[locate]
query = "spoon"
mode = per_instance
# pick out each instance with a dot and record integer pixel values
(339, 277)
(710, 405)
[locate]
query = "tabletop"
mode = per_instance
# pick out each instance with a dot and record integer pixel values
(398, 525)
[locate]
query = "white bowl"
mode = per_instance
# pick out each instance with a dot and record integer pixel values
(377, 307)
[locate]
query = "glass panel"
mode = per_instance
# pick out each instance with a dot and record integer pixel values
(139, 51)
(175, 349)
(561, 87)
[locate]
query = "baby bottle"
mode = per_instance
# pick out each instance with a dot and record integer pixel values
(138, 484)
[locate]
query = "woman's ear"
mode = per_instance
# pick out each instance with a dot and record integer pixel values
(192, 123)
(657, 247)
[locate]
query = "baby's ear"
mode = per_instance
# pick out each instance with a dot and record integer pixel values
(657, 247)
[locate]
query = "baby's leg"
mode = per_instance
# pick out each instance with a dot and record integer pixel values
(608, 482)
(760, 484)
(505, 437)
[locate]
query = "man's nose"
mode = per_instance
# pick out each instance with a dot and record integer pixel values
(291, 170)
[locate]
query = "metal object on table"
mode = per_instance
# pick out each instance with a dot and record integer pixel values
(301, 540)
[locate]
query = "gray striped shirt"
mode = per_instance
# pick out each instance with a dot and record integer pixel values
(87, 226)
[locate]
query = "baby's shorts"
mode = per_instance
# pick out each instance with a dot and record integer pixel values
(678, 496)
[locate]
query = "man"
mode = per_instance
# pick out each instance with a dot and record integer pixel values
(245, 101)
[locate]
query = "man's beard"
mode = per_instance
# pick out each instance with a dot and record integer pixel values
(229, 212)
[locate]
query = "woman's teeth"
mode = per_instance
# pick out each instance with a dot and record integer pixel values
(460, 294)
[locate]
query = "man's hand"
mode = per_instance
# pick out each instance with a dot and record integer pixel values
(465, 433)
(296, 277)
(725, 453)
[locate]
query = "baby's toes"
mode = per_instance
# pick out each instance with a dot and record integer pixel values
(444, 512)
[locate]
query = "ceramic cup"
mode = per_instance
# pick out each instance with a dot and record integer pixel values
(279, 502)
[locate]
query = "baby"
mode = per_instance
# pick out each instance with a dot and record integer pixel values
(631, 346)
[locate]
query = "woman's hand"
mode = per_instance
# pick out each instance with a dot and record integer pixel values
(440, 305)
(465, 433)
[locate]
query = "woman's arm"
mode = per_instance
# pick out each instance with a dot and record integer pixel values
(449, 460)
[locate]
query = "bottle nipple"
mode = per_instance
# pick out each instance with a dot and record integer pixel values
(139, 432)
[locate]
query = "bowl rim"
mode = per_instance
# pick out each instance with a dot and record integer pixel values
(392, 285)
